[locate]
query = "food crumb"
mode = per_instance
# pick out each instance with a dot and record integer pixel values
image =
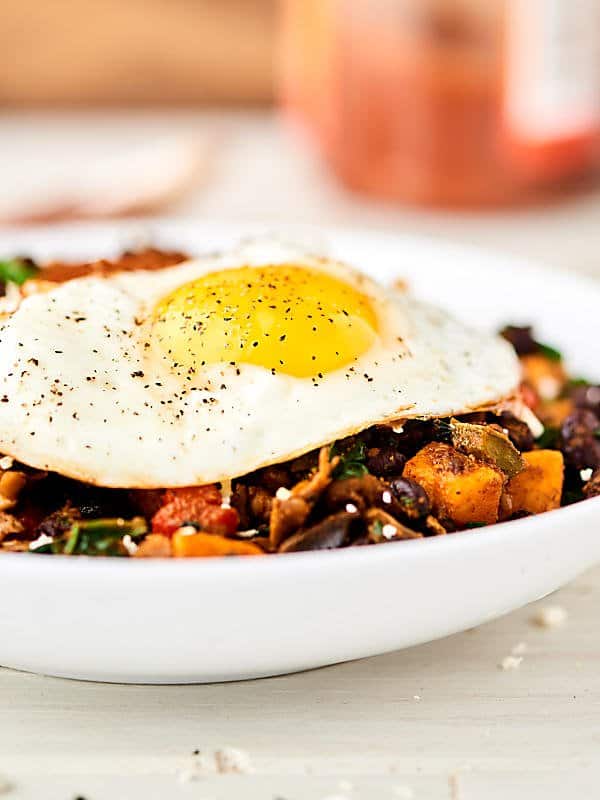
(405, 792)
(232, 760)
(389, 531)
(200, 765)
(42, 539)
(129, 544)
(519, 649)
(511, 662)
(416, 697)
(454, 786)
(550, 617)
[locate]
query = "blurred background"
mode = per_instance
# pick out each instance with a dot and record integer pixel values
(136, 53)
(468, 119)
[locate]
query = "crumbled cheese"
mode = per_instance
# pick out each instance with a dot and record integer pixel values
(247, 534)
(386, 497)
(454, 786)
(519, 649)
(535, 426)
(511, 662)
(226, 493)
(129, 544)
(282, 493)
(548, 388)
(232, 760)
(227, 760)
(6, 462)
(187, 530)
(586, 474)
(592, 395)
(42, 539)
(351, 508)
(525, 414)
(550, 616)
(389, 531)
(12, 298)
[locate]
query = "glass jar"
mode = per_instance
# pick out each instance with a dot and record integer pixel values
(448, 102)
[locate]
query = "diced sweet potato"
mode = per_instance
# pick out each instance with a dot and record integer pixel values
(546, 376)
(461, 489)
(539, 487)
(155, 545)
(207, 545)
(553, 412)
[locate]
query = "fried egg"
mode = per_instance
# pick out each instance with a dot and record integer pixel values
(210, 369)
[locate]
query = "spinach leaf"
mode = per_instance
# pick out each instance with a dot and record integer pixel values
(352, 459)
(96, 537)
(17, 270)
(549, 352)
(548, 439)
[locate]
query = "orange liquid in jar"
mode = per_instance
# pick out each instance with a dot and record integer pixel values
(413, 105)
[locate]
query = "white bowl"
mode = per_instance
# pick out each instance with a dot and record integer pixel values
(179, 621)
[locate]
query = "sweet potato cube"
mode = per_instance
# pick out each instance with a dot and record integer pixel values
(461, 489)
(539, 487)
(207, 545)
(546, 376)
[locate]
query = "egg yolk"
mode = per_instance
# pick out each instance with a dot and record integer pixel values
(286, 318)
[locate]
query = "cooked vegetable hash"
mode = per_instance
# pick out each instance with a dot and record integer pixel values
(417, 479)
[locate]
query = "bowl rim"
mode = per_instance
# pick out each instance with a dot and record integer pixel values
(495, 258)
(478, 538)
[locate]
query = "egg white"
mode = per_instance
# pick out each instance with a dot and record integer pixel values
(72, 399)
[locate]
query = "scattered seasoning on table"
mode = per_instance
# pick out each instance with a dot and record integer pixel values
(550, 617)
(510, 663)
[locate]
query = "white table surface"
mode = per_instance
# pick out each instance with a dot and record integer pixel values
(355, 731)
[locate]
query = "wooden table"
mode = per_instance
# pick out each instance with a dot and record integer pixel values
(437, 721)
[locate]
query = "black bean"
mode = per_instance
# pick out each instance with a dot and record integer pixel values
(415, 435)
(578, 439)
(587, 397)
(385, 461)
(57, 523)
(519, 432)
(411, 497)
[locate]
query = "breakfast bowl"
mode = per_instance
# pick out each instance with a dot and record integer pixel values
(217, 619)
